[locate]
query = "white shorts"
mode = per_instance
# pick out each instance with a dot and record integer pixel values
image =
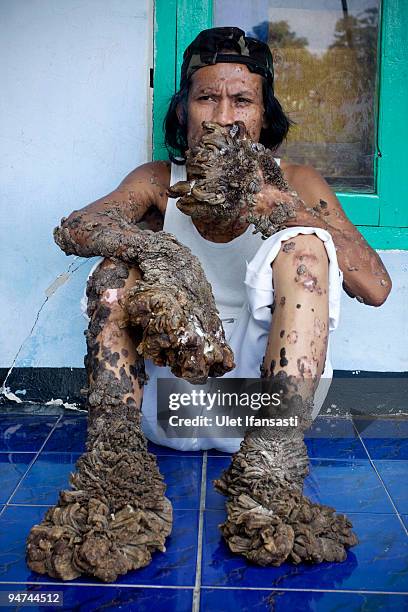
(247, 337)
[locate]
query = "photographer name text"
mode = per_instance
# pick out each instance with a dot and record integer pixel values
(250, 420)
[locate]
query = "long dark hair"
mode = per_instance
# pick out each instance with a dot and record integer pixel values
(175, 131)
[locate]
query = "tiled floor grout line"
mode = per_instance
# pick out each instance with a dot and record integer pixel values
(219, 588)
(382, 482)
(36, 455)
(203, 491)
(115, 585)
(300, 590)
(11, 452)
(13, 505)
(80, 452)
(196, 589)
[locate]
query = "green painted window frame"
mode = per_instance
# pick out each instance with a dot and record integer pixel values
(381, 217)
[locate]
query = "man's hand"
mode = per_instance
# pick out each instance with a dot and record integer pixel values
(230, 176)
(175, 310)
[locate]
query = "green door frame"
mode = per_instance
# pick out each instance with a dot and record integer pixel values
(382, 217)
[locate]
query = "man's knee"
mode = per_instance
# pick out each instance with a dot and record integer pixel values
(107, 284)
(302, 263)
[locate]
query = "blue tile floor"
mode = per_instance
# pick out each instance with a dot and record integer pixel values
(360, 469)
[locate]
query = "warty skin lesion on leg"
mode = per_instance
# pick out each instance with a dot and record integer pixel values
(151, 299)
(269, 520)
(116, 514)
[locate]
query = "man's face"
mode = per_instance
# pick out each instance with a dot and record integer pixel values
(224, 94)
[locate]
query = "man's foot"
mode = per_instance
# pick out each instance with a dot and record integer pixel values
(269, 520)
(286, 527)
(115, 516)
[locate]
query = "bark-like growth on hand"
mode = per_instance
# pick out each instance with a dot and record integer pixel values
(173, 303)
(226, 171)
(175, 307)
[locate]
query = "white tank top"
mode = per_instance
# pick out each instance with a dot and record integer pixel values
(224, 263)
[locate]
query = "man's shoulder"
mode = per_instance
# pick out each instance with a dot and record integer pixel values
(297, 172)
(309, 183)
(154, 173)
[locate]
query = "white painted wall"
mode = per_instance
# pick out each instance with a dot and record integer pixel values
(376, 338)
(75, 119)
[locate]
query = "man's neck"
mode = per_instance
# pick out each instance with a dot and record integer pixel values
(216, 230)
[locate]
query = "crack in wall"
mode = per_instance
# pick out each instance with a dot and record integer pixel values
(58, 282)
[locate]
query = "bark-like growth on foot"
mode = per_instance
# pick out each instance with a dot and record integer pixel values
(114, 517)
(269, 520)
(116, 513)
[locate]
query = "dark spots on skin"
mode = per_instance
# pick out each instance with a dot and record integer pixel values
(97, 323)
(113, 359)
(313, 350)
(138, 372)
(265, 373)
(109, 357)
(131, 402)
(292, 337)
(282, 333)
(283, 361)
(289, 246)
(117, 473)
(282, 301)
(126, 381)
(308, 280)
(319, 327)
(307, 366)
(109, 386)
(298, 306)
(125, 353)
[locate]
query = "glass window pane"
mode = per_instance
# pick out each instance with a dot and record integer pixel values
(325, 58)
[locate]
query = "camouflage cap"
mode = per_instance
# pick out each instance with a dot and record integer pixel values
(205, 51)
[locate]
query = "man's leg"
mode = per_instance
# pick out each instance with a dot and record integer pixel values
(112, 345)
(297, 342)
(117, 514)
(269, 520)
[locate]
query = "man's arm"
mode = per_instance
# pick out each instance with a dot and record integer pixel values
(140, 193)
(364, 275)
